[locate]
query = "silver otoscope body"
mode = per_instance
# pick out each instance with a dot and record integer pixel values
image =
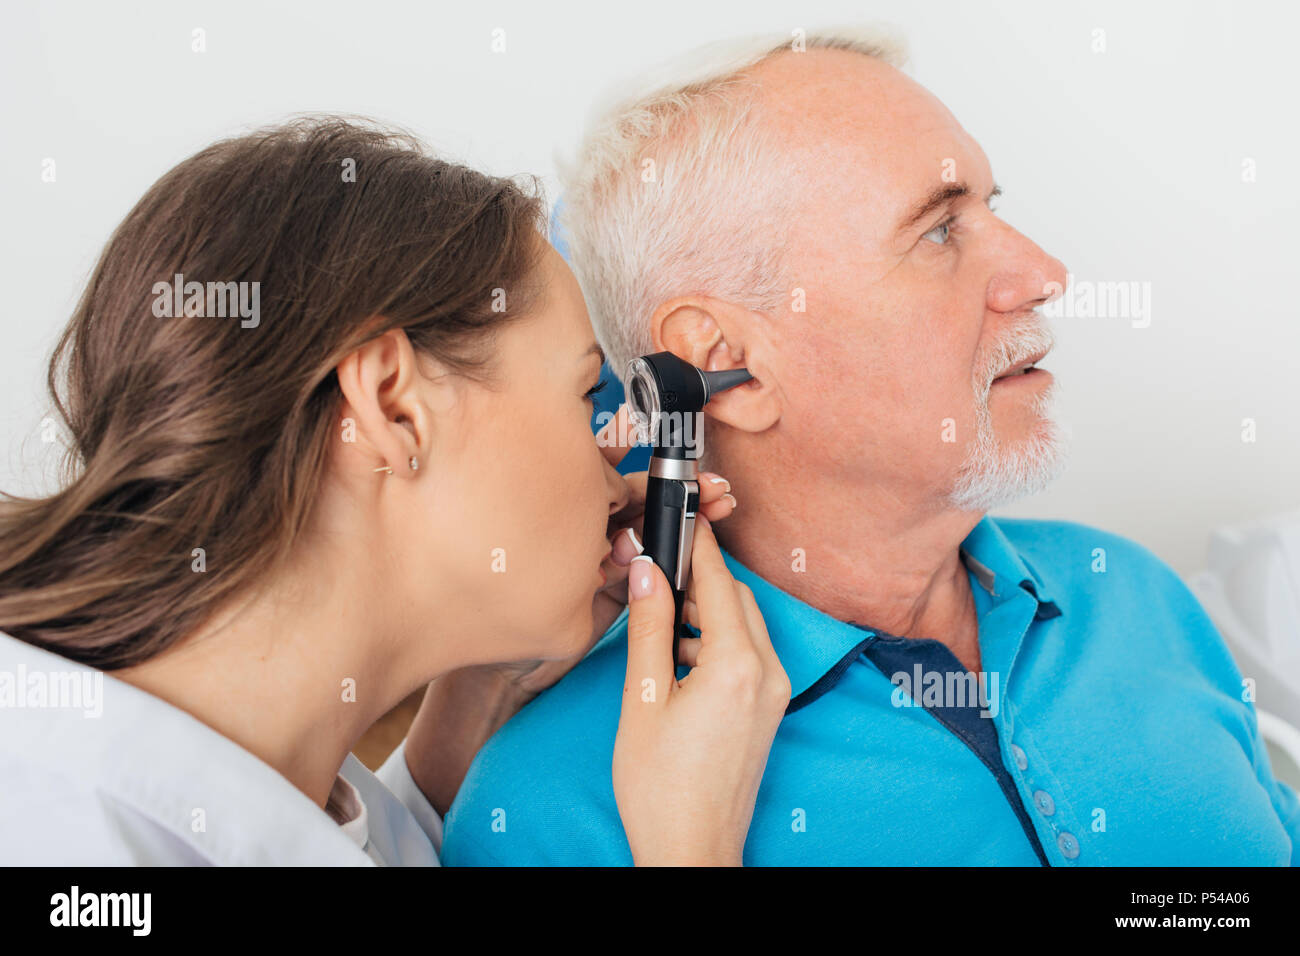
(666, 397)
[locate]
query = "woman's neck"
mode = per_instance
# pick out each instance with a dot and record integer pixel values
(294, 675)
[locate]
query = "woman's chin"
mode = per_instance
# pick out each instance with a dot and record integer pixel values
(578, 635)
(567, 637)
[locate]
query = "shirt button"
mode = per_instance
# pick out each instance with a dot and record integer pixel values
(1043, 800)
(1021, 760)
(1068, 844)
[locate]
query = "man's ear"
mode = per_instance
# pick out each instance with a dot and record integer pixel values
(381, 382)
(715, 335)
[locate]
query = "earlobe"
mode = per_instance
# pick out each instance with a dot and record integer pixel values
(380, 385)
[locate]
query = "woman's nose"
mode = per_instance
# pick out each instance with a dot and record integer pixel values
(619, 494)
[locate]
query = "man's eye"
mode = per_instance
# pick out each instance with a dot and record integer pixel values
(942, 230)
(598, 387)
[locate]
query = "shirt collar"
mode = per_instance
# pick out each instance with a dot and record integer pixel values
(810, 643)
(164, 763)
(996, 564)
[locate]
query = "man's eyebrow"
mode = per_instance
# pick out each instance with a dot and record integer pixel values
(939, 198)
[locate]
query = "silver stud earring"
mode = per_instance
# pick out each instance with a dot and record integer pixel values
(415, 464)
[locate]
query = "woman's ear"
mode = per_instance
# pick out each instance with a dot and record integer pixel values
(715, 336)
(382, 384)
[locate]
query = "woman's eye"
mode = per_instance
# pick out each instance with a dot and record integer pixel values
(599, 386)
(941, 229)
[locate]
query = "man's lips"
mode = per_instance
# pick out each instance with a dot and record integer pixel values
(1021, 368)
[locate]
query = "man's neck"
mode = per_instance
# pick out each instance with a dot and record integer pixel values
(889, 569)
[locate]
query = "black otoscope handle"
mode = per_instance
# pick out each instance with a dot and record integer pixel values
(669, 535)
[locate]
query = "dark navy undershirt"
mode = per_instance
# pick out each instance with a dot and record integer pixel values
(894, 654)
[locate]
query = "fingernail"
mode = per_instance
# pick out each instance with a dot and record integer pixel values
(733, 500)
(640, 581)
(717, 480)
(626, 547)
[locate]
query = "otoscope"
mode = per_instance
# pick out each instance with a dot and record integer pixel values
(666, 398)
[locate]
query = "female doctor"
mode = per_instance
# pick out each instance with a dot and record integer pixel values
(327, 409)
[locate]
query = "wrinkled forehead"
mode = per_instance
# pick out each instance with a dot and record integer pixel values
(867, 139)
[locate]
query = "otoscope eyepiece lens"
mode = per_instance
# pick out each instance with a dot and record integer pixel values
(639, 399)
(643, 398)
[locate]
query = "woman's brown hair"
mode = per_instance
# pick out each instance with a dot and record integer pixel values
(212, 431)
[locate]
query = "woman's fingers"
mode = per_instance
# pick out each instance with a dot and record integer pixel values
(627, 545)
(688, 648)
(719, 510)
(650, 624)
(713, 589)
(716, 500)
(691, 613)
(688, 651)
(773, 670)
(712, 487)
(716, 503)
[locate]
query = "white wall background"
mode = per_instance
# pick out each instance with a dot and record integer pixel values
(1127, 164)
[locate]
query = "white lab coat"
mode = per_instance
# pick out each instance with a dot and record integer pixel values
(144, 783)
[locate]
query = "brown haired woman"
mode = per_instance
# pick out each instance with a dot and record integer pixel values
(327, 399)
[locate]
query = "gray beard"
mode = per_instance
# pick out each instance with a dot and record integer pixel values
(994, 474)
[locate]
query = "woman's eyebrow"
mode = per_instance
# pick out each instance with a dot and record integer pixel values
(941, 196)
(596, 349)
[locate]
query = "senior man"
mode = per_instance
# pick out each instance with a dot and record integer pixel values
(965, 690)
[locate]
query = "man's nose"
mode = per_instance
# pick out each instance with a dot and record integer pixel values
(1025, 276)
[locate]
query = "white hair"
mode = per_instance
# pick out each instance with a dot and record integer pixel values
(677, 189)
(994, 473)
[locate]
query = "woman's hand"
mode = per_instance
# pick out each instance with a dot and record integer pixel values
(689, 754)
